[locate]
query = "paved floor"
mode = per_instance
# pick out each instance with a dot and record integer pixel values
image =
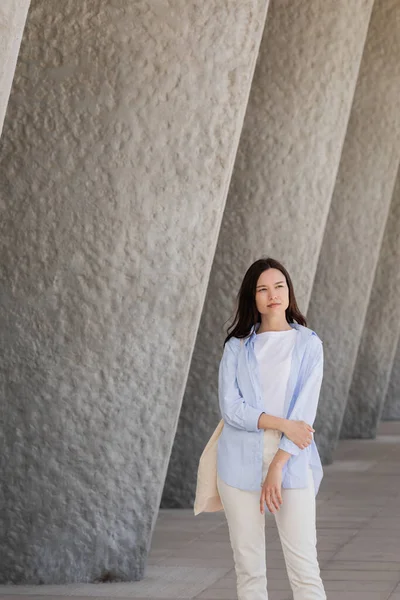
(358, 540)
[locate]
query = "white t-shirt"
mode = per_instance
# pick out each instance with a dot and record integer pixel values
(273, 350)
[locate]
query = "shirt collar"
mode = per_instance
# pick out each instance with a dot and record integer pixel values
(255, 328)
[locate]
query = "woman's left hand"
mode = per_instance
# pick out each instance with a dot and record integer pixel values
(271, 490)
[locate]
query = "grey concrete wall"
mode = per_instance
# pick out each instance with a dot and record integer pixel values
(391, 410)
(281, 188)
(357, 217)
(117, 152)
(12, 22)
(379, 337)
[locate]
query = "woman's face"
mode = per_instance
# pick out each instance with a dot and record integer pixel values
(272, 293)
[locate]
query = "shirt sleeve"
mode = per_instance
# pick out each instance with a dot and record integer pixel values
(305, 408)
(234, 409)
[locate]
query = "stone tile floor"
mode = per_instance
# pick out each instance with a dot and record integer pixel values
(358, 518)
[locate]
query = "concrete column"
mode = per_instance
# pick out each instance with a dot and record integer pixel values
(357, 217)
(118, 148)
(281, 187)
(391, 410)
(12, 22)
(379, 337)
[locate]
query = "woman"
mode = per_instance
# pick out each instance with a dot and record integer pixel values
(269, 383)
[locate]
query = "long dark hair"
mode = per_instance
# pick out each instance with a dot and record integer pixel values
(247, 314)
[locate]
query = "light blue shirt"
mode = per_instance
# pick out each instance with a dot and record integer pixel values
(240, 446)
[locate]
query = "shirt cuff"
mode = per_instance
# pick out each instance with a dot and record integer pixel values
(288, 446)
(252, 418)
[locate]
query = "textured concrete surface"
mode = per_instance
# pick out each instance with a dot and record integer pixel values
(380, 335)
(12, 21)
(358, 529)
(117, 152)
(391, 410)
(357, 217)
(281, 188)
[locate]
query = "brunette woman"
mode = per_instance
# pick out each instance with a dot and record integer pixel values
(269, 383)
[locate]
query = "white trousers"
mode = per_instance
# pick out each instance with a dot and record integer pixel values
(297, 531)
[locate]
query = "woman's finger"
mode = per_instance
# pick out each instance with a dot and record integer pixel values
(269, 504)
(262, 501)
(274, 499)
(271, 500)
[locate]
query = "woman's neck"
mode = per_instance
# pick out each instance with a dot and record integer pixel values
(273, 325)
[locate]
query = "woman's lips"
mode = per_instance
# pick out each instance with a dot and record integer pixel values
(272, 305)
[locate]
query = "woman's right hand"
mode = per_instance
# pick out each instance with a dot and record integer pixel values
(299, 432)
